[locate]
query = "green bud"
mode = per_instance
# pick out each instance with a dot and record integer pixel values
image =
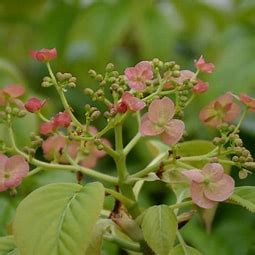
(115, 73)
(47, 78)
(235, 159)
(99, 77)
(22, 113)
(87, 107)
(109, 67)
(89, 92)
(92, 73)
(176, 73)
(46, 84)
(73, 79)
(238, 142)
(102, 83)
(176, 68)
(115, 86)
(242, 174)
(250, 165)
(100, 147)
(15, 111)
(106, 114)
(112, 79)
(67, 76)
(59, 76)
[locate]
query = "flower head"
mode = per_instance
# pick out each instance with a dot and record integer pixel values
(210, 185)
(159, 121)
(221, 110)
(62, 119)
(248, 101)
(12, 171)
(138, 75)
(44, 55)
(203, 66)
(130, 102)
(200, 87)
(47, 128)
(34, 104)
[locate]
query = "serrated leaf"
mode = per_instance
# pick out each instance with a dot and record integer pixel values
(159, 227)
(245, 197)
(7, 245)
(178, 250)
(58, 219)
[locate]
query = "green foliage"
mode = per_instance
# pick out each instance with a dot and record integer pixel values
(7, 246)
(159, 227)
(58, 219)
(245, 197)
(179, 250)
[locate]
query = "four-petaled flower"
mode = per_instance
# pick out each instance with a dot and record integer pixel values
(203, 66)
(248, 101)
(129, 102)
(159, 121)
(221, 110)
(200, 87)
(44, 55)
(34, 104)
(210, 185)
(138, 75)
(12, 171)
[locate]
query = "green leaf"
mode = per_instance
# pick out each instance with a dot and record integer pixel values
(245, 197)
(159, 228)
(95, 243)
(58, 219)
(178, 250)
(7, 245)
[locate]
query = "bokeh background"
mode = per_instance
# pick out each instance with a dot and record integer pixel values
(89, 34)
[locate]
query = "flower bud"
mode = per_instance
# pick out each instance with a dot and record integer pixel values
(242, 174)
(95, 115)
(99, 77)
(92, 73)
(22, 114)
(109, 67)
(89, 92)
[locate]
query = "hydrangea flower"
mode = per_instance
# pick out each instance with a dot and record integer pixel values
(200, 87)
(12, 171)
(129, 102)
(203, 66)
(34, 104)
(184, 75)
(210, 185)
(138, 75)
(221, 110)
(248, 101)
(12, 92)
(159, 121)
(44, 55)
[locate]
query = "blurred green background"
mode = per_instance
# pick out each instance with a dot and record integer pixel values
(89, 34)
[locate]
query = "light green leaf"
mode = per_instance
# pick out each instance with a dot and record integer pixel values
(178, 250)
(95, 243)
(58, 219)
(159, 228)
(245, 197)
(7, 245)
(157, 147)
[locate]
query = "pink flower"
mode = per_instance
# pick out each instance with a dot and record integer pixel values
(200, 87)
(12, 171)
(221, 110)
(203, 66)
(12, 92)
(47, 128)
(184, 75)
(138, 75)
(248, 101)
(44, 55)
(130, 102)
(54, 146)
(62, 119)
(210, 185)
(159, 121)
(34, 104)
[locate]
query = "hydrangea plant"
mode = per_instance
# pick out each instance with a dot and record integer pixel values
(71, 218)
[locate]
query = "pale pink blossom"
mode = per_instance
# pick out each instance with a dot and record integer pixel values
(200, 87)
(47, 128)
(34, 104)
(159, 121)
(129, 102)
(11, 92)
(221, 110)
(138, 75)
(248, 101)
(62, 119)
(209, 185)
(203, 66)
(44, 55)
(12, 171)
(184, 75)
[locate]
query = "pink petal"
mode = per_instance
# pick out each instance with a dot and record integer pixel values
(213, 171)
(137, 85)
(208, 115)
(101, 153)
(89, 161)
(134, 104)
(14, 90)
(194, 175)
(184, 75)
(161, 110)
(144, 68)
(203, 66)
(131, 73)
(232, 113)
(149, 128)
(197, 195)
(220, 190)
(200, 87)
(17, 166)
(47, 128)
(173, 132)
